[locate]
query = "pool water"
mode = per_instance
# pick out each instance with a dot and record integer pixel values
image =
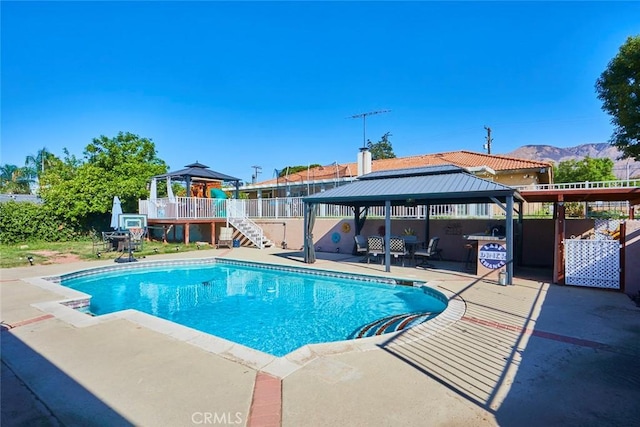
(269, 310)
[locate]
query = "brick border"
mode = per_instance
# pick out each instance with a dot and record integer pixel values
(540, 334)
(266, 404)
(29, 321)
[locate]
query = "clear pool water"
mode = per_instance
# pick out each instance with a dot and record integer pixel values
(269, 310)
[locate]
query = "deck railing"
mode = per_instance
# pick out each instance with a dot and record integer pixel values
(292, 207)
(183, 208)
(586, 185)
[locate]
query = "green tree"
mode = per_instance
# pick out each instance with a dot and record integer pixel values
(587, 169)
(288, 170)
(82, 191)
(381, 149)
(618, 88)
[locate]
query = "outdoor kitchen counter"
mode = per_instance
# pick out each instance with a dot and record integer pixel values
(491, 253)
(483, 236)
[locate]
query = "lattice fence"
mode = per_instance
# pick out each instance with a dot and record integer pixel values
(605, 229)
(594, 263)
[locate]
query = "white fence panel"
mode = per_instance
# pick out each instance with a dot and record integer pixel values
(593, 263)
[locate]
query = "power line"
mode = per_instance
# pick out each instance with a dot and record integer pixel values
(257, 169)
(487, 146)
(364, 123)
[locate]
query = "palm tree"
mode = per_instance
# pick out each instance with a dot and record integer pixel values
(14, 180)
(6, 173)
(34, 165)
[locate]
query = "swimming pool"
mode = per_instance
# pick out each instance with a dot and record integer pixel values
(270, 309)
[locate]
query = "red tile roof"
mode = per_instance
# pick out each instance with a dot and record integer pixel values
(465, 159)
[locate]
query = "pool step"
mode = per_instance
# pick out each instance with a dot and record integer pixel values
(393, 323)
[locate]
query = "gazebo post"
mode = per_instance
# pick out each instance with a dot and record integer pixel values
(427, 232)
(387, 235)
(519, 241)
(305, 225)
(509, 236)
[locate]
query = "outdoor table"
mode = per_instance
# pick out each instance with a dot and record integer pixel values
(412, 245)
(118, 239)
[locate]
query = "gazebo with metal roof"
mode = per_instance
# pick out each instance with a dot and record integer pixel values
(442, 184)
(197, 172)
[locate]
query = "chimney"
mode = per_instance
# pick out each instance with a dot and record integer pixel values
(364, 161)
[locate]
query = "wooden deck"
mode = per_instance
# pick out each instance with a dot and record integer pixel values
(169, 226)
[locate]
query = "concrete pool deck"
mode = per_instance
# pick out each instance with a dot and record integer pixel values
(527, 354)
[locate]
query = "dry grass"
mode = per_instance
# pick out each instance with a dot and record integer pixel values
(62, 252)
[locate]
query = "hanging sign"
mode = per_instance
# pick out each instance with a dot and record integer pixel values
(492, 255)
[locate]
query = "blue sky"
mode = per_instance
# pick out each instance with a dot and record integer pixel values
(237, 84)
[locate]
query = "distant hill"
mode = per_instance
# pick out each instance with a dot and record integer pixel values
(549, 153)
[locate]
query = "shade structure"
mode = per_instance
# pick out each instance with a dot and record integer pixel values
(198, 173)
(116, 211)
(441, 184)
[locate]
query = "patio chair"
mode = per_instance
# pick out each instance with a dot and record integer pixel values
(361, 245)
(397, 248)
(225, 238)
(432, 251)
(375, 247)
(101, 243)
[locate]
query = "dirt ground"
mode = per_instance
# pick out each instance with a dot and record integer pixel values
(55, 257)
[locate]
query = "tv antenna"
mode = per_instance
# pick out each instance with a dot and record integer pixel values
(257, 170)
(364, 123)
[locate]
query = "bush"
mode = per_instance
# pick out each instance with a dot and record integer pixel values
(23, 222)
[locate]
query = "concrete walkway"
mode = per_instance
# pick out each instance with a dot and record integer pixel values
(528, 354)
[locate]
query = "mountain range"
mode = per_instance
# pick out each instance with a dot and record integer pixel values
(548, 153)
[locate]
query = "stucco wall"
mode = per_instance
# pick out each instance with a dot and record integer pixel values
(538, 234)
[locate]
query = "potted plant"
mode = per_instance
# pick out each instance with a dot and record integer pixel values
(409, 232)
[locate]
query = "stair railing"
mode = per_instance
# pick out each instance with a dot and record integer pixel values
(244, 224)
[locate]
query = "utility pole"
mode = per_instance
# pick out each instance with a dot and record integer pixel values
(364, 123)
(257, 170)
(487, 146)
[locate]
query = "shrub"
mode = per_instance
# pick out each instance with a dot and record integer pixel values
(23, 222)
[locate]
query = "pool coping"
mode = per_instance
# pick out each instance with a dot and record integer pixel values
(66, 310)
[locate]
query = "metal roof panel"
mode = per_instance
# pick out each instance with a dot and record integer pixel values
(456, 185)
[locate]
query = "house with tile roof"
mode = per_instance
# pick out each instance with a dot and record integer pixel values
(505, 170)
